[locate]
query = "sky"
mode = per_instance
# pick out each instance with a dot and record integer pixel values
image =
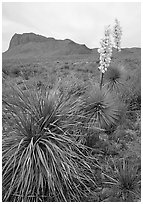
(82, 22)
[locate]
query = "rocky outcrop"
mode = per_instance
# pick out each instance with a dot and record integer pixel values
(24, 38)
(32, 45)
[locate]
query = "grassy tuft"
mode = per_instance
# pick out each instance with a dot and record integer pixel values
(123, 181)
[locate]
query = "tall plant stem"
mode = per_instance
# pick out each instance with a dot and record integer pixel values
(101, 80)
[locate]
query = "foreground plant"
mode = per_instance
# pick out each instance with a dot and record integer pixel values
(41, 161)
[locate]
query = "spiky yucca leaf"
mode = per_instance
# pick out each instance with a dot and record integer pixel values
(41, 161)
(114, 78)
(101, 108)
(124, 180)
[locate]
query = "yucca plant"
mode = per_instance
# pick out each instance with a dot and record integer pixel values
(41, 160)
(115, 78)
(123, 182)
(105, 53)
(101, 108)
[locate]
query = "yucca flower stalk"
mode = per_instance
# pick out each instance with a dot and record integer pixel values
(117, 33)
(105, 53)
(41, 160)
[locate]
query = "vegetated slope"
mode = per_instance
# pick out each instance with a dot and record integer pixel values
(31, 45)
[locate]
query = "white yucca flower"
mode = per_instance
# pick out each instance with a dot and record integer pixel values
(105, 50)
(117, 33)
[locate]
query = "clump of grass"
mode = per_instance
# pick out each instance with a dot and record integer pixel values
(123, 181)
(41, 161)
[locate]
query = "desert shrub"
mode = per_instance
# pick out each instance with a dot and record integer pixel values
(41, 160)
(122, 182)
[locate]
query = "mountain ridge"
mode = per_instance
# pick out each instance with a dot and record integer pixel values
(31, 44)
(34, 45)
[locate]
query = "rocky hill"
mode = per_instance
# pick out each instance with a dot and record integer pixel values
(19, 39)
(33, 45)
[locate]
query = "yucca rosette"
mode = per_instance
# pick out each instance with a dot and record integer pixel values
(115, 78)
(101, 108)
(41, 160)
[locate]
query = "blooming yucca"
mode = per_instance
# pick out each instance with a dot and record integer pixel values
(105, 51)
(117, 33)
